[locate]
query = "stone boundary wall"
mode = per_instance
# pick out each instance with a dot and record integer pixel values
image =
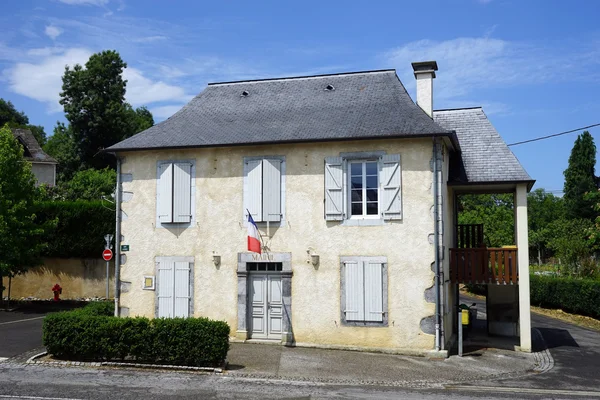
(79, 278)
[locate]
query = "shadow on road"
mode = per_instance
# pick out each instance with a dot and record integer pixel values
(557, 338)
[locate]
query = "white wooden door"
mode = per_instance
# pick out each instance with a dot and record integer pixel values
(266, 306)
(274, 307)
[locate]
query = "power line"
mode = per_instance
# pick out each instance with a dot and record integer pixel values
(551, 136)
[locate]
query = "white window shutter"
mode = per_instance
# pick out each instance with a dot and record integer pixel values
(334, 188)
(354, 291)
(390, 178)
(164, 194)
(165, 289)
(182, 289)
(373, 291)
(182, 186)
(253, 200)
(271, 180)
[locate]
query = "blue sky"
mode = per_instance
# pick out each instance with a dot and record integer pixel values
(533, 65)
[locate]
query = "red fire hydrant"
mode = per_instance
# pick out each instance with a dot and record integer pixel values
(57, 291)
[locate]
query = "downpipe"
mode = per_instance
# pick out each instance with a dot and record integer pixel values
(436, 240)
(118, 239)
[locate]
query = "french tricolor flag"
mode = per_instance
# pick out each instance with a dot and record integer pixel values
(253, 236)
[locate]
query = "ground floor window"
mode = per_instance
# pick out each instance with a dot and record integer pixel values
(364, 291)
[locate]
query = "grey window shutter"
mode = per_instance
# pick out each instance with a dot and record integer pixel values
(373, 291)
(182, 186)
(253, 200)
(165, 289)
(391, 187)
(354, 291)
(334, 188)
(271, 193)
(182, 289)
(164, 194)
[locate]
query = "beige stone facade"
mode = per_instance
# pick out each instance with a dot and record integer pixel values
(219, 228)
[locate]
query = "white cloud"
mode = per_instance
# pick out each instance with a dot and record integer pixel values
(42, 81)
(85, 2)
(165, 112)
(150, 39)
(143, 91)
(45, 51)
(53, 31)
(467, 65)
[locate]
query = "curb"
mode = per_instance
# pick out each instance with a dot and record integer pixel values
(32, 360)
(543, 358)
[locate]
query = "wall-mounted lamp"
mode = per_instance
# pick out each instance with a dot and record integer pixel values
(216, 260)
(314, 258)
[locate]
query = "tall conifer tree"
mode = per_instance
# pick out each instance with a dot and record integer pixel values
(580, 178)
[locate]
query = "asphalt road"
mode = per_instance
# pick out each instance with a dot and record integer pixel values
(576, 354)
(20, 332)
(576, 374)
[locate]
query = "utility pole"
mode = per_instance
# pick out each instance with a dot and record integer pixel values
(108, 237)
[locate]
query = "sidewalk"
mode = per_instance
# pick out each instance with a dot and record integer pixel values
(351, 367)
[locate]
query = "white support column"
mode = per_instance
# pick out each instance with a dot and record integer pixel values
(522, 240)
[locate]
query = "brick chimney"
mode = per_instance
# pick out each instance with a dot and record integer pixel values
(425, 73)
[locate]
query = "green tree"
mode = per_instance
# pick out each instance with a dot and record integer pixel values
(21, 242)
(89, 184)
(494, 211)
(8, 113)
(139, 119)
(580, 178)
(17, 119)
(569, 240)
(94, 102)
(63, 148)
(543, 209)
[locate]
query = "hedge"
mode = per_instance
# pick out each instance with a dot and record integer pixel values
(106, 308)
(78, 335)
(81, 226)
(579, 296)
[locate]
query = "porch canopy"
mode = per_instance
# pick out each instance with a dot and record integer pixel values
(485, 164)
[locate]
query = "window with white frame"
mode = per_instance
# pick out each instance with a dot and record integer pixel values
(174, 192)
(363, 184)
(364, 291)
(264, 179)
(367, 188)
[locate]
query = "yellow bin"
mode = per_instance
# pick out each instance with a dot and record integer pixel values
(465, 317)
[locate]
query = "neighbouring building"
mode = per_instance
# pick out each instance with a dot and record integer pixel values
(42, 165)
(353, 188)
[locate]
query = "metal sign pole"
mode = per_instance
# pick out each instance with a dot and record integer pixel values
(108, 238)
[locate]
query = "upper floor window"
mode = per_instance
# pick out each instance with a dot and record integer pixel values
(364, 188)
(264, 183)
(175, 192)
(367, 188)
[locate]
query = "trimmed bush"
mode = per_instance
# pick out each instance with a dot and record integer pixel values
(106, 308)
(80, 335)
(579, 296)
(81, 226)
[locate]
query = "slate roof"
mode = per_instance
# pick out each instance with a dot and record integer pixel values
(360, 105)
(485, 157)
(33, 151)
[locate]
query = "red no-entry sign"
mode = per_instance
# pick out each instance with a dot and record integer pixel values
(107, 254)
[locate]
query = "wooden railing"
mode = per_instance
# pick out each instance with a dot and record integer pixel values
(484, 265)
(469, 236)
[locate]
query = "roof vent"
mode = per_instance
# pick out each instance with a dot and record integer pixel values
(245, 93)
(329, 87)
